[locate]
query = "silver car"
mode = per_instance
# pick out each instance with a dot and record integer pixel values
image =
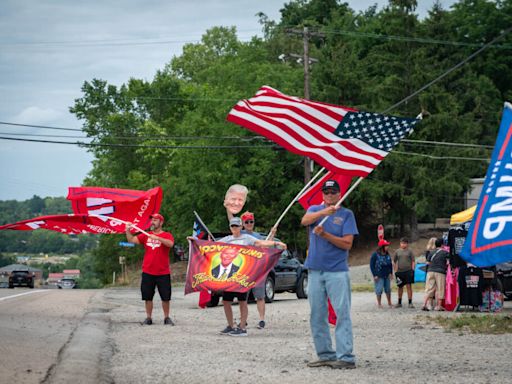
(67, 283)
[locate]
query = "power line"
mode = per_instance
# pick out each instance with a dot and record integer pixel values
(161, 137)
(242, 138)
(440, 157)
(201, 147)
(113, 42)
(172, 40)
(446, 73)
(140, 145)
(446, 143)
(40, 126)
(409, 39)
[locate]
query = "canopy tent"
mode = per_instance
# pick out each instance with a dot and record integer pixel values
(464, 216)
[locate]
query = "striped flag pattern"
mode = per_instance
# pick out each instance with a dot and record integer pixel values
(343, 140)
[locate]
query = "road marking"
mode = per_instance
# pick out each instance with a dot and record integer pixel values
(21, 294)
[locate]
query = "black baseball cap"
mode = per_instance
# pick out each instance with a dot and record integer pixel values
(331, 184)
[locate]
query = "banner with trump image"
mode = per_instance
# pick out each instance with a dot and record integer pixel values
(218, 267)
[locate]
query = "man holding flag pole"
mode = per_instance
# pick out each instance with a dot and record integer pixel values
(156, 272)
(348, 143)
(328, 275)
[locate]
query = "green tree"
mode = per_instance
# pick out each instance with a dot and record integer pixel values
(368, 60)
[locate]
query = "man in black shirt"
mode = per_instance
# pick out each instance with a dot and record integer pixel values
(436, 276)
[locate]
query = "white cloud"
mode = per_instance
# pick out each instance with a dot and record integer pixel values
(37, 115)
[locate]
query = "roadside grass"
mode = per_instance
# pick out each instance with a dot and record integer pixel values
(369, 287)
(474, 323)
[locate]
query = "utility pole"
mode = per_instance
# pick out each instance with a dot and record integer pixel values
(306, 61)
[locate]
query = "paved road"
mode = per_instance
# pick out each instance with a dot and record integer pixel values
(82, 336)
(38, 330)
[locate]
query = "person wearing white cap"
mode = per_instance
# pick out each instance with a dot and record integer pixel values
(236, 237)
(259, 290)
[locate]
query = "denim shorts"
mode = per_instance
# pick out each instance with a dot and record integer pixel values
(382, 284)
(259, 291)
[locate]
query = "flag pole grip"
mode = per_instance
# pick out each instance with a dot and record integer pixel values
(294, 200)
(344, 197)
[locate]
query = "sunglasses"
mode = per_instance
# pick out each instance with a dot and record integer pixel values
(330, 191)
(249, 222)
(234, 225)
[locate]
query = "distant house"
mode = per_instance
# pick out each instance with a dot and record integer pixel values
(473, 194)
(22, 259)
(72, 273)
(54, 278)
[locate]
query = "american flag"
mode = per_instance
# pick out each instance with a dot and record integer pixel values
(343, 140)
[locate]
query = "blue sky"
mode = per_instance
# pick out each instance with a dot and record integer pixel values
(48, 48)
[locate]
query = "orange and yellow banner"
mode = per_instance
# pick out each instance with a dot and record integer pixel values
(218, 267)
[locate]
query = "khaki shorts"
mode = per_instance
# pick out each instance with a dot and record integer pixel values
(435, 284)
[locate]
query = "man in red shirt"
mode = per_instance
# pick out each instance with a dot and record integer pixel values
(155, 267)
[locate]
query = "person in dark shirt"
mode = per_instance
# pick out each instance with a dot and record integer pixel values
(436, 276)
(382, 271)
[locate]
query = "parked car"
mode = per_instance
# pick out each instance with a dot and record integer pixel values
(504, 275)
(67, 283)
(21, 278)
(288, 275)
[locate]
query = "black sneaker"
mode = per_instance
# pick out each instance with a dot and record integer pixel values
(340, 364)
(148, 321)
(168, 321)
(238, 332)
(320, 363)
(261, 324)
(226, 330)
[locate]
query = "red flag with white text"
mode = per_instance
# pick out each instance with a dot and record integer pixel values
(124, 204)
(66, 224)
(217, 266)
(313, 196)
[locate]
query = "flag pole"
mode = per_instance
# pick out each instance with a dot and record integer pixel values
(293, 201)
(119, 221)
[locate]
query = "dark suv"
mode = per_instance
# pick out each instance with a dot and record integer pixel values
(504, 274)
(21, 279)
(288, 275)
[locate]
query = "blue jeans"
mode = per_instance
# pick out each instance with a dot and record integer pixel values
(336, 287)
(382, 284)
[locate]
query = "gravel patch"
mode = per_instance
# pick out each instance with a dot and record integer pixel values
(391, 345)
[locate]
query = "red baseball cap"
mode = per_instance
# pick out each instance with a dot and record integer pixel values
(157, 216)
(247, 216)
(383, 243)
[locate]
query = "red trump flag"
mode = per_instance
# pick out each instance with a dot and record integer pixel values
(66, 224)
(123, 204)
(217, 266)
(313, 196)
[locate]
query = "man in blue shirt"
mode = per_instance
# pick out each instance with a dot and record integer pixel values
(328, 277)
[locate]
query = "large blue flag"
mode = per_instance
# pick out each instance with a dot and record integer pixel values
(489, 240)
